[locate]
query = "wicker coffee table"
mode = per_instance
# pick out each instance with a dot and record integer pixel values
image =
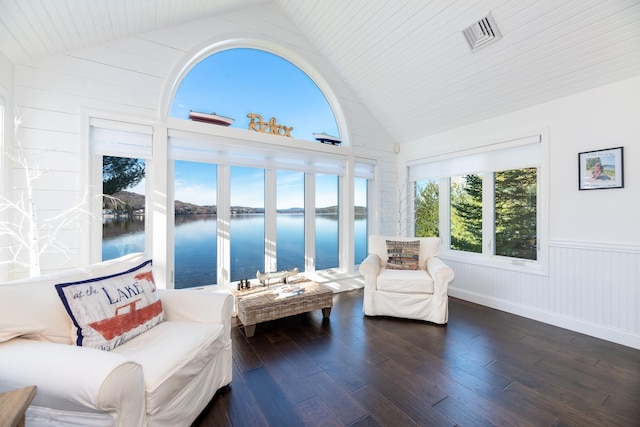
(260, 304)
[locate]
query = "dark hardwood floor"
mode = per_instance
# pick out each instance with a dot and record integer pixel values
(486, 367)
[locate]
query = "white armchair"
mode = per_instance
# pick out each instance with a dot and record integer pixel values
(413, 294)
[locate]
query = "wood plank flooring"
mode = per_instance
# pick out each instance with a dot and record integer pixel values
(484, 368)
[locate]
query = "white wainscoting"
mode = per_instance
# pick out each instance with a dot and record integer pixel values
(592, 288)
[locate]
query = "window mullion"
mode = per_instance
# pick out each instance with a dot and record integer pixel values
(445, 212)
(488, 214)
(224, 224)
(309, 222)
(270, 202)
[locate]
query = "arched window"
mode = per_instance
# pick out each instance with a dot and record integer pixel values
(258, 173)
(251, 87)
(271, 224)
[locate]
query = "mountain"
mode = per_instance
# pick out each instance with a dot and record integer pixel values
(182, 208)
(124, 200)
(127, 201)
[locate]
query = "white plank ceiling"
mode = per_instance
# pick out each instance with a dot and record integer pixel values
(407, 60)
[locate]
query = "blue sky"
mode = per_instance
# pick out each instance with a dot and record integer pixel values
(196, 183)
(236, 82)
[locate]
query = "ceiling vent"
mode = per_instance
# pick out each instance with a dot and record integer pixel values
(482, 33)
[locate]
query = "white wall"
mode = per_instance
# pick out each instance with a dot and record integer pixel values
(6, 93)
(593, 285)
(133, 78)
(6, 77)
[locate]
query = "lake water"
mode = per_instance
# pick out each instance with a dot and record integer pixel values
(196, 251)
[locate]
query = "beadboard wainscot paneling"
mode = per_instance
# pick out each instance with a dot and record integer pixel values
(131, 78)
(591, 288)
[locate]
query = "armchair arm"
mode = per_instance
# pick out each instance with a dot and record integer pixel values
(370, 266)
(75, 378)
(199, 306)
(441, 273)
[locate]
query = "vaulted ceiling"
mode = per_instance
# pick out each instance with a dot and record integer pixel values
(407, 60)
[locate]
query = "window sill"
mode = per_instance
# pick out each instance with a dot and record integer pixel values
(513, 264)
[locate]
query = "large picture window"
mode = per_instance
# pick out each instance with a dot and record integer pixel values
(493, 210)
(427, 208)
(327, 224)
(266, 215)
(360, 220)
(290, 220)
(242, 202)
(196, 224)
(247, 222)
(516, 219)
(466, 213)
(123, 206)
(269, 207)
(121, 151)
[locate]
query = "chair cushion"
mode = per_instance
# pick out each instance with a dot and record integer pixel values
(405, 281)
(403, 255)
(108, 311)
(171, 354)
(429, 247)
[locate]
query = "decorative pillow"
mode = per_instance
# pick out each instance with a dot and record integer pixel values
(108, 311)
(403, 255)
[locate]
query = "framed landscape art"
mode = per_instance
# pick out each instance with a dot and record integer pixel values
(600, 169)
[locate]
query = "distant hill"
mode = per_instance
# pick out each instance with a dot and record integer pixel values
(183, 208)
(128, 200)
(135, 201)
(124, 199)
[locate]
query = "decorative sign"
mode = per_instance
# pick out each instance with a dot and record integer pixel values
(256, 123)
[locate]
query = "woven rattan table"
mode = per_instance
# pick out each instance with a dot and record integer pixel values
(260, 304)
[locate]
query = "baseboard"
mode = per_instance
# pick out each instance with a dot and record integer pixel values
(617, 336)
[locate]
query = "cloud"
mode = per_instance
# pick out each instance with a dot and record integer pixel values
(196, 194)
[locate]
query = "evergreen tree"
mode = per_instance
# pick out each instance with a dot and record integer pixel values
(120, 173)
(427, 210)
(516, 213)
(466, 214)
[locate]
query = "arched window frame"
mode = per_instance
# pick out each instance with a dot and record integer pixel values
(207, 142)
(230, 146)
(197, 55)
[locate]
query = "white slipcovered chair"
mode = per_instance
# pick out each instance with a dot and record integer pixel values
(413, 294)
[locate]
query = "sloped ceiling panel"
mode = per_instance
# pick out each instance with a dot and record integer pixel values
(407, 60)
(31, 29)
(411, 65)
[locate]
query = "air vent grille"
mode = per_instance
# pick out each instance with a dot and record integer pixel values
(482, 33)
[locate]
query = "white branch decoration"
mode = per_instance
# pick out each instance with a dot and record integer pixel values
(28, 238)
(403, 209)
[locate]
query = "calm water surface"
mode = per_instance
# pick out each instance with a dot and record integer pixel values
(196, 251)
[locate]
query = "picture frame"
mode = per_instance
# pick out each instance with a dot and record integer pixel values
(601, 169)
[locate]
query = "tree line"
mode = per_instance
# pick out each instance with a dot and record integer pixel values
(515, 212)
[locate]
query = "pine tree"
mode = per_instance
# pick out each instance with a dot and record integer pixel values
(516, 213)
(120, 173)
(427, 210)
(466, 214)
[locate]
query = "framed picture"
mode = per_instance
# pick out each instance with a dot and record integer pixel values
(600, 169)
